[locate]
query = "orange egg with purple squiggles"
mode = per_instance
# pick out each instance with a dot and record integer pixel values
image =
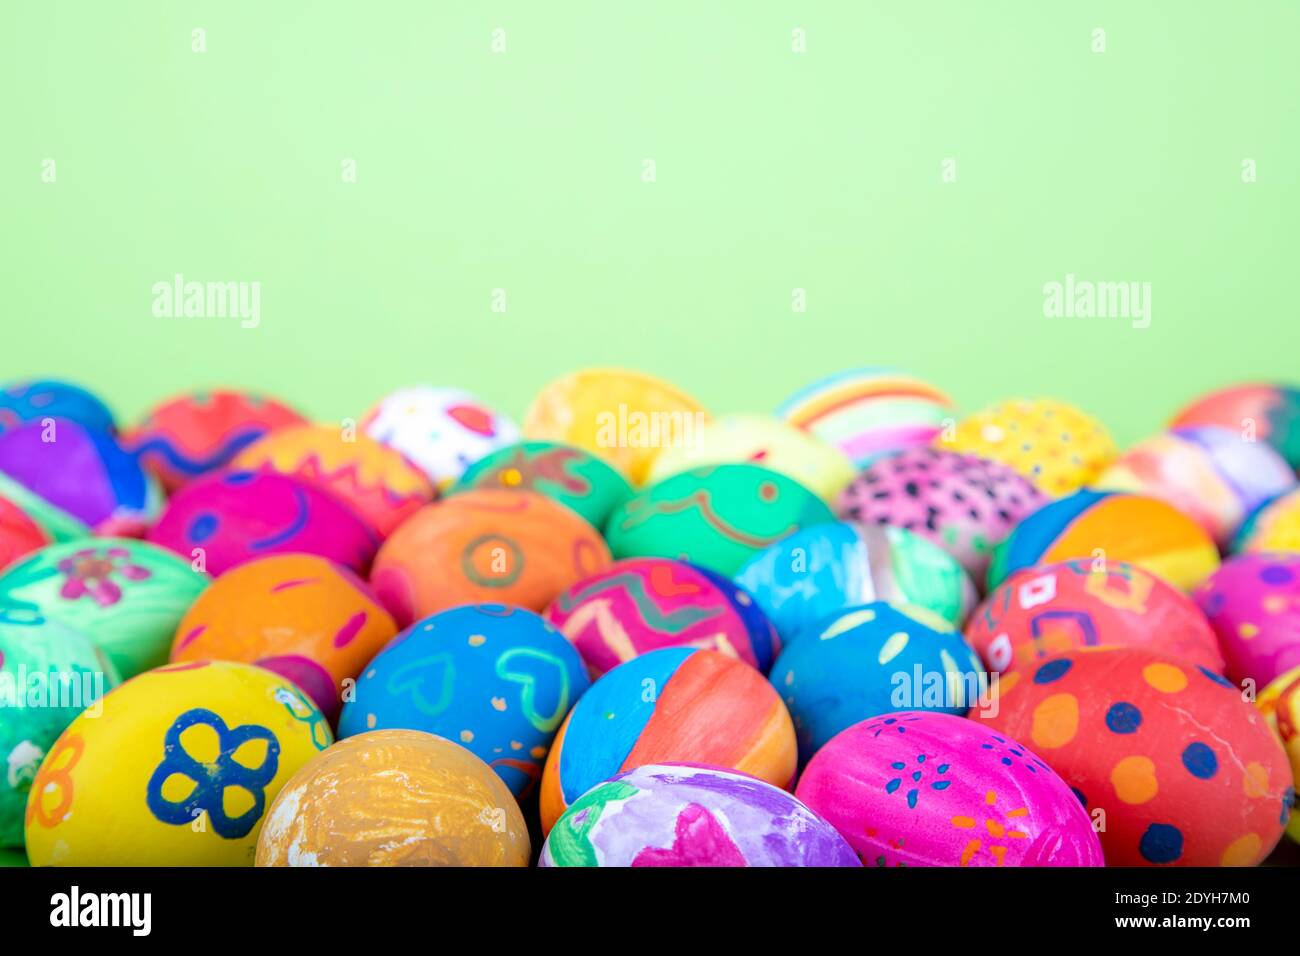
(485, 546)
(377, 481)
(235, 516)
(299, 615)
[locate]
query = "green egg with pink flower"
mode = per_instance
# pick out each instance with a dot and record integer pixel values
(77, 619)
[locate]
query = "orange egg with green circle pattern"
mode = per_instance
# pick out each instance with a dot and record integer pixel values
(298, 615)
(485, 546)
(1173, 765)
(378, 482)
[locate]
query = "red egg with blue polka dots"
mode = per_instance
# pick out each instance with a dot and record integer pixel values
(1175, 767)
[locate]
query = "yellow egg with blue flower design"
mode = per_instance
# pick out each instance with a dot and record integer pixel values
(175, 767)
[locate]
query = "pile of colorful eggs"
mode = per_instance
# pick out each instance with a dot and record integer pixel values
(863, 630)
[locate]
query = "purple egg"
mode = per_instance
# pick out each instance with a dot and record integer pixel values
(234, 516)
(684, 815)
(58, 470)
(1253, 604)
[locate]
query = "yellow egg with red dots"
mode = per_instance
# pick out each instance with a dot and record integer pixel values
(176, 767)
(1175, 767)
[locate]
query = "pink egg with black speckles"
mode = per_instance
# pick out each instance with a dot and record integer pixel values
(235, 516)
(1253, 604)
(963, 503)
(927, 789)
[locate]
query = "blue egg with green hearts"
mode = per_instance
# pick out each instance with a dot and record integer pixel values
(496, 679)
(874, 659)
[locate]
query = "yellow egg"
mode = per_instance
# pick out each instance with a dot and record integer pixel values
(1056, 446)
(1280, 704)
(176, 767)
(760, 440)
(395, 798)
(625, 417)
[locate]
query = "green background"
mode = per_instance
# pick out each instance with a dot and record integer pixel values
(522, 171)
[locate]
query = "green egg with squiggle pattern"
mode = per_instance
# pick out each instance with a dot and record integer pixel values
(717, 517)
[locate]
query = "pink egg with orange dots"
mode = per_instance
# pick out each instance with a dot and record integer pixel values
(377, 481)
(485, 546)
(195, 434)
(1050, 609)
(1176, 767)
(234, 516)
(915, 788)
(1253, 604)
(299, 615)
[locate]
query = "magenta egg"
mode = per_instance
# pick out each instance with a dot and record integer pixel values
(234, 516)
(1253, 603)
(929, 789)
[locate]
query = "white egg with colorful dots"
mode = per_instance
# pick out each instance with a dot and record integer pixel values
(442, 430)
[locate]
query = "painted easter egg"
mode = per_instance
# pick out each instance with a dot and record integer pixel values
(1110, 526)
(1253, 604)
(643, 604)
(442, 430)
(827, 567)
(623, 416)
(1209, 473)
(869, 412)
(44, 685)
(677, 815)
(964, 503)
(1274, 526)
(380, 485)
(235, 516)
(1279, 702)
(1056, 446)
(673, 705)
(498, 679)
(1270, 413)
(1046, 610)
(74, 480)
(717, 517)
(177, 769)
(565, 473)
(19, 534)
(755, 439)
(76, 619)
(33, 401)
(125, 596)
(1179, 768)
(488, 545)
(299, 615)
(189, 436)
(870, 660)
(931, 789)
(394, 798)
